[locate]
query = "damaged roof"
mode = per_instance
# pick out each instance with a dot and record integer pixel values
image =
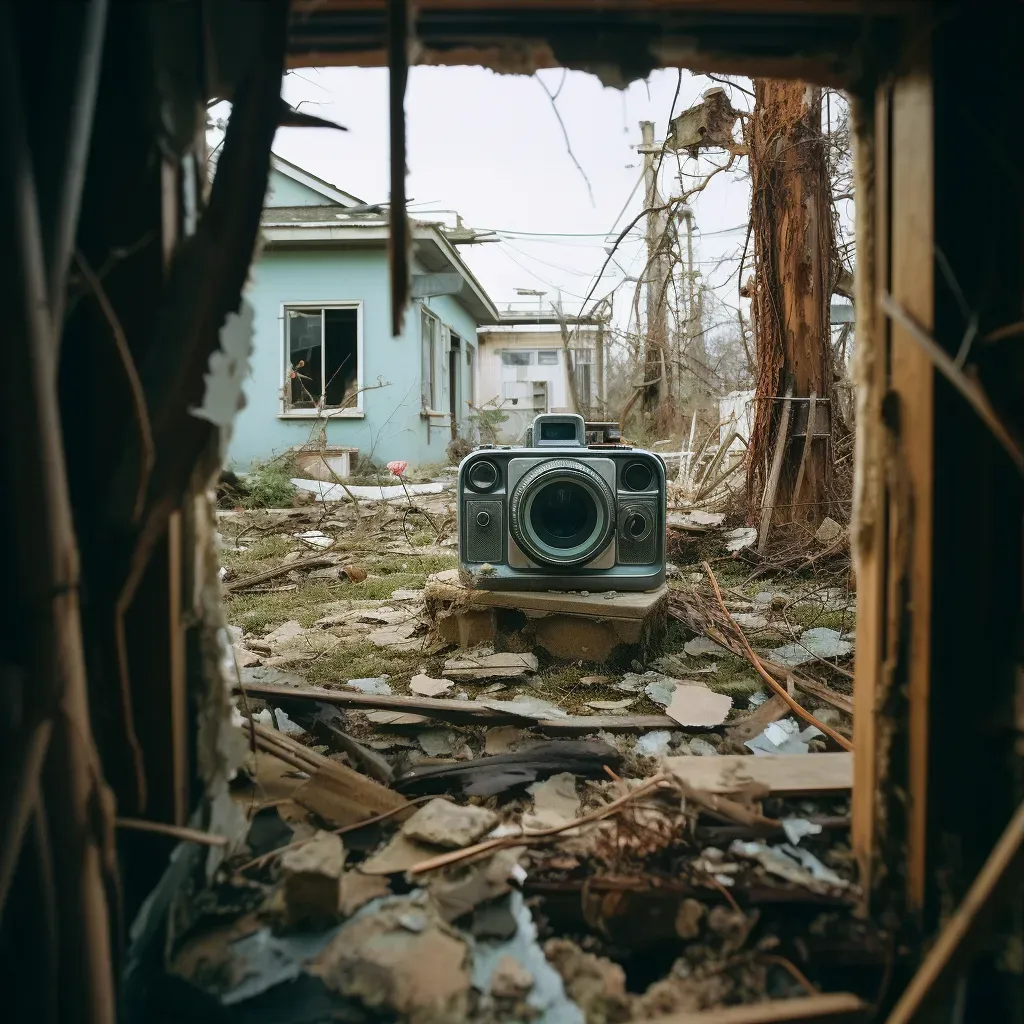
(617, 40)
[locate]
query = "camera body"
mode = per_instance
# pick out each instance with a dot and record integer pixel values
(561, 514)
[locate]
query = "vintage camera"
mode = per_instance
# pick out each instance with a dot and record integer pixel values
(561, 514)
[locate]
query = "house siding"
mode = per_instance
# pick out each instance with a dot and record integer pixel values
(391, 426)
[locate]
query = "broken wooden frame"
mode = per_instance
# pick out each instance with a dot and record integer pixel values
(930, 475)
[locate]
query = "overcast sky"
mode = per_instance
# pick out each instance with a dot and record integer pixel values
(490, 146)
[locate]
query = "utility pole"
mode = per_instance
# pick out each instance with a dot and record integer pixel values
(695, 351)
(656, 374)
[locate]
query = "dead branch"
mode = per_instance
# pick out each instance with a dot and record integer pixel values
(312, 562)
(565, 134)
(764, 674)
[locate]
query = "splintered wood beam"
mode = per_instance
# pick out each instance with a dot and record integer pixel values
(997, 883)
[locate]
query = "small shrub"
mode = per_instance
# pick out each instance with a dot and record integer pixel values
(270, 486)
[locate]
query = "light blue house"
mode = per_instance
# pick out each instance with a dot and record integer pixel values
(326, 373)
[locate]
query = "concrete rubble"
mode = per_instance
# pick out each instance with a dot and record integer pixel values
(447, 905)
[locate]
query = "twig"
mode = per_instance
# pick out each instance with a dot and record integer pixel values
(791, 969)
(1002, 333)
(770, 680)
(565, 135)
(493, 845)
(188, 835)
(970, 389)
(311, 562)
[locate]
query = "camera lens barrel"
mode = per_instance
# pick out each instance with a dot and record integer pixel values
(562, 513)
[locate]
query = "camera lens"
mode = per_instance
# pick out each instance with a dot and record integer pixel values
(561, 513)
(482, 475)
(638, 476)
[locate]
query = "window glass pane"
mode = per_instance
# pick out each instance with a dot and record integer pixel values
(582, 356)
(341, 386)
(547, 357)
(517, 357)
(305, 358)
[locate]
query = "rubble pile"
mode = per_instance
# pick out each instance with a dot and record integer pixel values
(441, 834)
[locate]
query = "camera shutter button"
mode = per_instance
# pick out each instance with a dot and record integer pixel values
(483, 519)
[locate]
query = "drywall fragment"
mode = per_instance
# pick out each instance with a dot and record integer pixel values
(654, 744)
(554, 802)
(376, 686)
(741, 538)
(702, 645)
(286, 631)
(491, 666)
(693, 704)
(820, 642)
(611, 705)
(427, 687)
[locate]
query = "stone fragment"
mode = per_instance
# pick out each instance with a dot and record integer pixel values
(312, 879)
(358, 889)
(829, 531)
(452, 826)
(510, 980)
(375, 686)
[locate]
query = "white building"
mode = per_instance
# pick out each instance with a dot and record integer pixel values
(523, 373)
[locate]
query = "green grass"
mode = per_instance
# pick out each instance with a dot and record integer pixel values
(263, 553)
(812, 615)
(258, 613)
(361, 660)
(415, 563)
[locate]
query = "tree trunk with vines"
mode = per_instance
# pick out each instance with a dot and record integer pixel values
(793, 242)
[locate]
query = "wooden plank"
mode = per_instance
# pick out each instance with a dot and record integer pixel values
(910, 516)
(772, 487)
(999, 880)
(782, 774)
(868, 537)
(464, 710)
(835, 1007)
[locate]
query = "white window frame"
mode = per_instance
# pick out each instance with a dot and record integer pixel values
(284, 363)
(438, 391)
(547, 352)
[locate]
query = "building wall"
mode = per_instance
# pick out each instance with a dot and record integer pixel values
(285, 191)
(391, 425)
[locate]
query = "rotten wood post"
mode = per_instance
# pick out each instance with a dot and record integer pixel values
(793, 242)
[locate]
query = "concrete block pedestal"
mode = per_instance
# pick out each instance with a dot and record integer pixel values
(569, 626)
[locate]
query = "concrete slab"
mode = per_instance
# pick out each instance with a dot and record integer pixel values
(570, 626)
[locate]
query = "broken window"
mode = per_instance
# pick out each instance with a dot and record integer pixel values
(547, 357)
(516, 357)
(322, 358)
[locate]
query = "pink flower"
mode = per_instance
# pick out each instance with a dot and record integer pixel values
(397, 468)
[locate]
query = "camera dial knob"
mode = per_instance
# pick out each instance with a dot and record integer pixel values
(483, 519)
